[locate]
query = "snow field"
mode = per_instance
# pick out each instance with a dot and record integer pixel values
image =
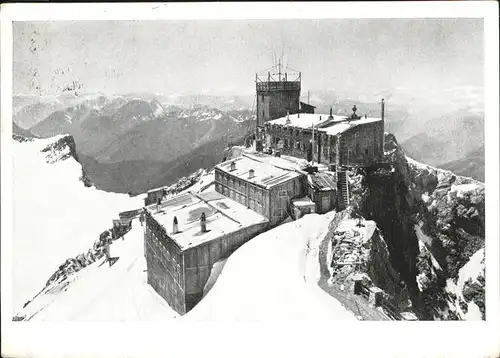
(55, 216)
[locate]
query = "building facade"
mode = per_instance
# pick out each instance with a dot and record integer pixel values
(278, 93)
(338, 140)
(181, 248)
(260, 186)
(322, 190)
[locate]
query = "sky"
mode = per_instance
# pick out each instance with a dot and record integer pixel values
(222, 56)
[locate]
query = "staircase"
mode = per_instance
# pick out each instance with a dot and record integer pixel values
(343, 188)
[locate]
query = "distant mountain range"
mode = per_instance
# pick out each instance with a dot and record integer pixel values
(137, 141)
(455, 140)
(471, 165)
(131, 144)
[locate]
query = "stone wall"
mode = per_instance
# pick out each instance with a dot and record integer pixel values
(296, 140)
(362, 145)
(165, 265)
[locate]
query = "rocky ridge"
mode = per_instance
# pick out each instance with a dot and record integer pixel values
(433, 223)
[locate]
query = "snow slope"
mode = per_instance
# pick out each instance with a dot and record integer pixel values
(55, 215)
(103, 293)
(273, 277)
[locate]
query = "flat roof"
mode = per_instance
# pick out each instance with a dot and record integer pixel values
(156, 189)
(223, 214)
(333, 126)
(266, 173)
(303, 202)
(323, 181)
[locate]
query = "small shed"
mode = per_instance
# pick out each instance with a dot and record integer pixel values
(153, 195)
(322, 189)
(306, 108)
(301, 207)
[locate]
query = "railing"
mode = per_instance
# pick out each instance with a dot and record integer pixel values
(278, 86)
(276, 76)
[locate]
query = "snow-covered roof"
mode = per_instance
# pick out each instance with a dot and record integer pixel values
(223, 214)
(303, 202)
(322, 122)
(156, 189)
(305, 120)
(267, 170)
(322, 181)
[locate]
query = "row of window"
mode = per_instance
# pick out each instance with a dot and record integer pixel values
(225, 184)
(255, 201)
(235, 183)
(287, 143)
(163, 255)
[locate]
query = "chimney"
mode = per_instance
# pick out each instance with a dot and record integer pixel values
(233, 166)
(203, 222)
(251, 173)
(331, 114)
(175, 226)
(354, 109)
(382, 109)
(320, 118)
(288, 117)
(366, 116)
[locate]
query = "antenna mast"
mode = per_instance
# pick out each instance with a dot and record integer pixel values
(279, 69)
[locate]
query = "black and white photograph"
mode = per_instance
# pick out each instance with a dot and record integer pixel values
(181, 170)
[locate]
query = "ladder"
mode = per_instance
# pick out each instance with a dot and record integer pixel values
(343, 186)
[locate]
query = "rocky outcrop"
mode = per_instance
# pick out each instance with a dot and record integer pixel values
(184, 183)
(83, 260)
(432, 222)
(358, 249)
(21, 138)
(62, 149)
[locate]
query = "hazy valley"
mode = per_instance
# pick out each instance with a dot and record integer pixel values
(135, 142)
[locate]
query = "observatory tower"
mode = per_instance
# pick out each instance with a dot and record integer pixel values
(278, 93)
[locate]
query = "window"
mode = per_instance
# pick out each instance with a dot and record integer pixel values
(366, 150)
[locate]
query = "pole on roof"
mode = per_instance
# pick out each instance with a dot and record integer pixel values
(312, 148)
